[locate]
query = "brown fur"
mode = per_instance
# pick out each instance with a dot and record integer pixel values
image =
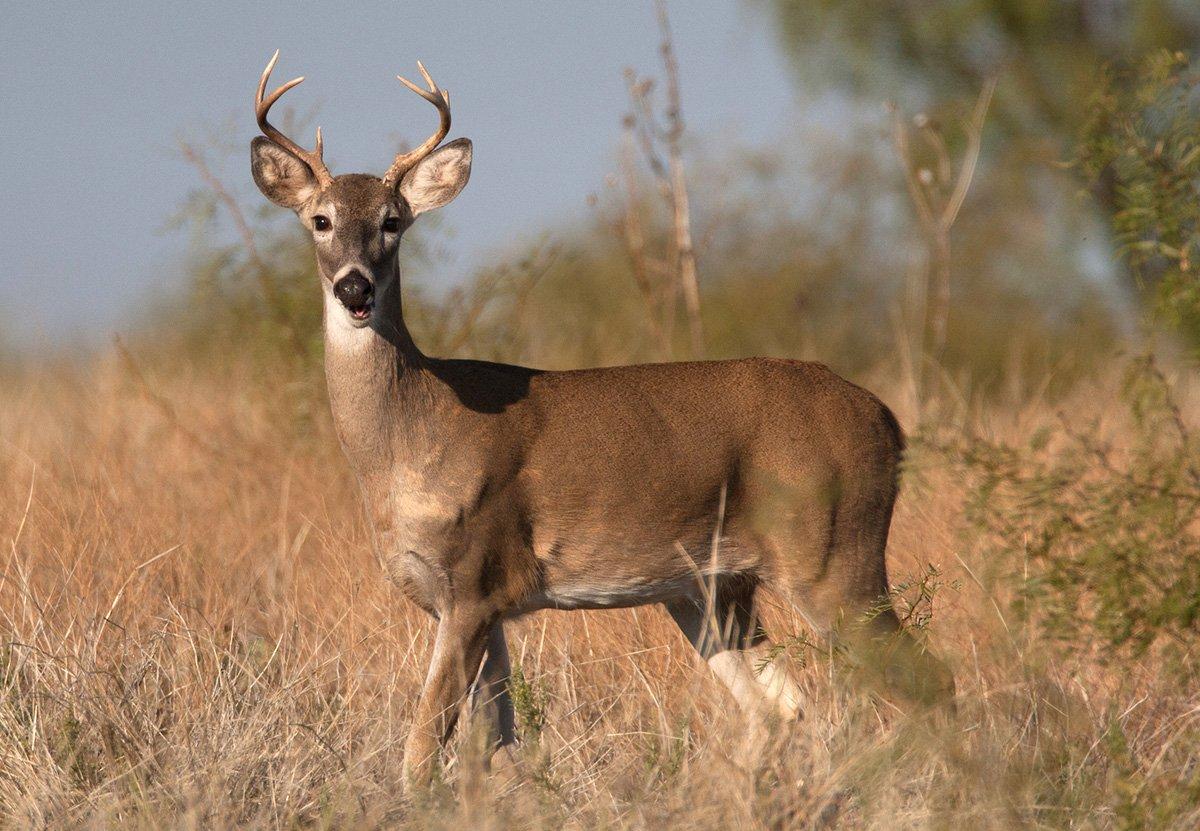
(496, 490)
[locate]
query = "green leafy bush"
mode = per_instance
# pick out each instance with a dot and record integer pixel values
(1102, 539)
(1141, 146)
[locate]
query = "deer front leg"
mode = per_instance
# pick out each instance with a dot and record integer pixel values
(462, 636)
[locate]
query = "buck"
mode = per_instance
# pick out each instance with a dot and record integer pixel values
(495, 490)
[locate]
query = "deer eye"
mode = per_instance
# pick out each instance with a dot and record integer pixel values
(391, 225)
(321, 223)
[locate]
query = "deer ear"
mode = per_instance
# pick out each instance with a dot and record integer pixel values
(282, 178)
(437, 178)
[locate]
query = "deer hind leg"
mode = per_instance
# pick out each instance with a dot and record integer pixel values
(489, 693)
(883, 652)
(846, 602)
(725, 632)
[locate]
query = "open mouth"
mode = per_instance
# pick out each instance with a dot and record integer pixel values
(362, 312)
(357, 294)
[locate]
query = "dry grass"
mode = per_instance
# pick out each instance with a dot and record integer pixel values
(196, 635)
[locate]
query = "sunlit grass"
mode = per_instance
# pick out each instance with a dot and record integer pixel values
(196, 634)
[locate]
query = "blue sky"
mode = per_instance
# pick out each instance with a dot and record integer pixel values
(95, 96)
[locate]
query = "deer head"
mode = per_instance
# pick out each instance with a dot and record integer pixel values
(356, 220)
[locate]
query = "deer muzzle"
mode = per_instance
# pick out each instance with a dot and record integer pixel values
(356, 293)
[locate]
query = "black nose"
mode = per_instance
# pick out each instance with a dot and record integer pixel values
(353, 290)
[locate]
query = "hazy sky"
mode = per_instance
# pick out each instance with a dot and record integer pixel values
(95, 95)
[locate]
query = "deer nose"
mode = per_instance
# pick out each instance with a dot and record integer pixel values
(353, 290)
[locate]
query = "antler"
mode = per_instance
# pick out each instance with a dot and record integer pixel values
(314, 159)
(440, 99)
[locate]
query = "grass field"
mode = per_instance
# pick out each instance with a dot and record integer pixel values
(196, 635)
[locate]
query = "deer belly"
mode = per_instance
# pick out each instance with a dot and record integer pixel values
(598, 593)
(614, 582)
(622, 573)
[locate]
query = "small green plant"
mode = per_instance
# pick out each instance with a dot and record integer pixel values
(912, 599)
(795, 647)
(529, 704)
(666, 754)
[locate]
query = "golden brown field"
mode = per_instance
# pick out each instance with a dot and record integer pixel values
(195, 634)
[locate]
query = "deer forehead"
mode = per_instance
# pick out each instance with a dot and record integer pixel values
(356, 197)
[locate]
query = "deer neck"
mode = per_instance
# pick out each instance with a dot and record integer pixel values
(380, 389)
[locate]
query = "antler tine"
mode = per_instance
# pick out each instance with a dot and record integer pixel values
(314, 159)
(439, 98)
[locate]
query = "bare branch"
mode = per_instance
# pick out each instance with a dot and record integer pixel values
(645, 131)
(974, 141)
(661, 278)
(194, 158)
(935, 216)
(266, 284)
(904, 151)
(635, 243)
(684, 252)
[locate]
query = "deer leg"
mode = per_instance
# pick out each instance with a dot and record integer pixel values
(462, 637)
(489, 694)
(726, 634)
(886, 653)
(847, 603)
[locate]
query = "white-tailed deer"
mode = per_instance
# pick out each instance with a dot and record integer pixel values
(496, 490)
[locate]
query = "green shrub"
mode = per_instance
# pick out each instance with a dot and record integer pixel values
(1141, 146)
(1101, 539)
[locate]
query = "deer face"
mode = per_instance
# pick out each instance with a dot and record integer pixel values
(356, 220)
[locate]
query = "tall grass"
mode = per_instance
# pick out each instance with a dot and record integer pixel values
(196, 635)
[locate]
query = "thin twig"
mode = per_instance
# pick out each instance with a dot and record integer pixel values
(685, 254)
(974, 141)
(219, 190)
(635, 243)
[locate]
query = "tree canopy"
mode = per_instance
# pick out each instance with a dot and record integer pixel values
(1049, 54)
